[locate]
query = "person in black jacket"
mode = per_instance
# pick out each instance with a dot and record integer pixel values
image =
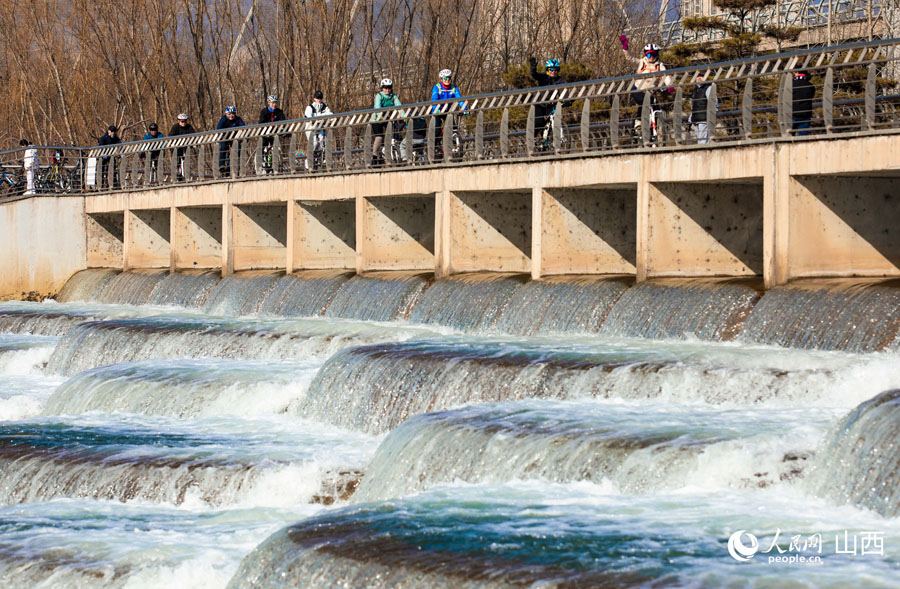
(699, 102)
(270, 114)
(802, 95)
(182, 127)
(543, 111)
(109, 138)
(229, 120)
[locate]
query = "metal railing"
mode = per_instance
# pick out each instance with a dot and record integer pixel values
(750, 100)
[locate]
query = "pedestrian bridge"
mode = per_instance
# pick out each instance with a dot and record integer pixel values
(758, 200)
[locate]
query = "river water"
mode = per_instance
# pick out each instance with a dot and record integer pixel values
(323, 429)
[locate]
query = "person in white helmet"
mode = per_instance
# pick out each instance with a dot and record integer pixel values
(182, 127)
(383, 99)
(648, 63)
(444, 90)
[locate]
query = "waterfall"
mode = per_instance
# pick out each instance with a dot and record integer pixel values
(185, 388)
(560, 304)
(239, 294)
(639, 448)
(828, 315)
(50, 320)
(303, 294)
(466, 302)
(130, 288)
(860, 464)
(708, 309)
(378, 296)
(101, 343)
(45, 460)
(184, 289)
(85, 285)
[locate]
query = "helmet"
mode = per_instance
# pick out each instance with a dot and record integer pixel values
(651, 48)
(153, 127)
(552, 64)
(231, 110)
(272, 98)
(183, 116)
(318, 94)
(387, 83)
(445, 73)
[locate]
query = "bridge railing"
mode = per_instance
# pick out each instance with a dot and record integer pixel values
(749, 100)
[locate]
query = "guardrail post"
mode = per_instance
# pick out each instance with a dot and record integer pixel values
(389, 144)
(712, 112)
(785, 105)
(828, 101)
(678, 116)
(186, 166)
(479, 135)
(586, 125)
(447, 138)
(276, 154)
(504, 133)
(871, 88)
(244, 157)
(348, 148)
(310, 151)
(148, 167)
(747, 110)
(260, 168)
(174, 166)
(529, 131)
(645, 119)
(234, 159)
(429, 140)
(614, 123)
(328, 148)
(292, 153)
(201, 162)
(557, 127)
(408, 142)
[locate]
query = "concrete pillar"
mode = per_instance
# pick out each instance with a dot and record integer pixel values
(443, 201)
(227, 238)
(197, 237)
(398, 232)
(105, 239)
(590, 230)
(322, 234)
(704, 228)
(537, 231)
(490, 231)
(148, 238)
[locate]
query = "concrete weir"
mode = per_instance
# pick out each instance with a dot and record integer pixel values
(779, 210)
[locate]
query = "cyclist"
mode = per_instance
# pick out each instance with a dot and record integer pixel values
(444, 90)
(30, 163)
(270, 114)
(648, 64)
(151, 134)
(383, 99)
(229, 120)
(316, 108)
(182, 127)
(543, 111)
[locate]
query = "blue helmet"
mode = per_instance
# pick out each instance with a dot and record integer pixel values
(552, 64)
(230, 109)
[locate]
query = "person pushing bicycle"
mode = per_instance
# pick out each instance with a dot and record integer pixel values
(649, 63)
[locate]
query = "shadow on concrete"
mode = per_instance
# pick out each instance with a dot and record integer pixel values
(112, 223)
(509, 213)
(208, 219)
(337, 216)
(611, 215)
(156, 220)
(414, 215)
(269, 218)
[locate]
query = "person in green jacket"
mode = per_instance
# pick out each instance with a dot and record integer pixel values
(384, 99)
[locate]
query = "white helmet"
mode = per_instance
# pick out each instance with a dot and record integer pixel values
(445, 73)
(651, 47)
(183, 116)
(272, 98)
(387, 83)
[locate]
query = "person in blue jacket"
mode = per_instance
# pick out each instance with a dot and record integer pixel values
(443, 90)
(151, 134)
(229, 120)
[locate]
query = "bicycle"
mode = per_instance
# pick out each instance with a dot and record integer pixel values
(54, 178)
(11, 184)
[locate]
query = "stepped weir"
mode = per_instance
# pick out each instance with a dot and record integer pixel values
(605, 364)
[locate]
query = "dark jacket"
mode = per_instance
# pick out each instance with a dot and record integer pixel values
(107, 140)
(179, 130)
(224, 123)
(543, 79)
(271, 117)
(803, 94)
(699, 100)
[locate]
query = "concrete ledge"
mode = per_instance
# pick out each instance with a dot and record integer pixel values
(323, 234)
(490, 231)
(105, 239)
(260, 236)
(147, 239)
(197, 237)
(396, 232)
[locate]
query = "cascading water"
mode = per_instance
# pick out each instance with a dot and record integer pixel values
(303, 294)
(553, 305)
(828, 315)
(468, 302)
(667, 308)
(545, 439)
(377, 296)
(239, 294)
(860, 464)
